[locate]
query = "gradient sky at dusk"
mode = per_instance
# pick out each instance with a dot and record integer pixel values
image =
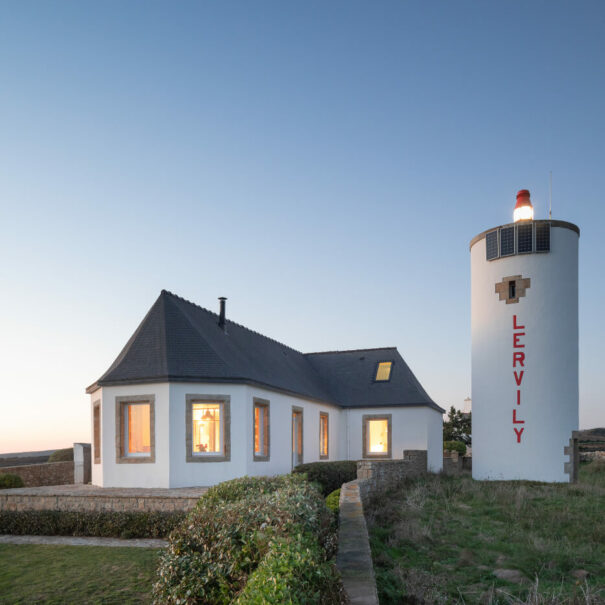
(324, 165)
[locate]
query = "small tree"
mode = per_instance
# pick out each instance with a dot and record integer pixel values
(457, 427)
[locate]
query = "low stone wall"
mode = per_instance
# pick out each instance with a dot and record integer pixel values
(354, 558)
(88, 498)
(48, 473)
(383, 474)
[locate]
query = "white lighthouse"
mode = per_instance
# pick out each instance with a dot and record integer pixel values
(524, 324)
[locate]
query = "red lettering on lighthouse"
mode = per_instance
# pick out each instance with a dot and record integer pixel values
(515, 326)
(515, 421)
(518, 397)
(516, 343)
(518, 377)
(518, 357)
(518, 432)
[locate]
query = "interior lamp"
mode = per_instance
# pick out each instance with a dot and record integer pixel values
(524, 211)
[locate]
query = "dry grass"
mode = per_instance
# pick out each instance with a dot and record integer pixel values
(440, 539)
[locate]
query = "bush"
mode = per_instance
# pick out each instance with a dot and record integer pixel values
(234, 526)
(106, 524)
(294, 572)
(8, 481)
(333, 500)
(329, 475)
(455, 446)
(65, 455)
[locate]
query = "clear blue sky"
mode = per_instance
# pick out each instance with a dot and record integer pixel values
(322, 164)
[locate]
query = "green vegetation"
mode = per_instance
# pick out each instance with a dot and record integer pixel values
(457, 427)
(455, 540)
(8, 481)
(258, 539)
(329, 475)
(65, 455)
(75, 574)
(333, 500)
(108, 524)
(593, 473)
(455, 446)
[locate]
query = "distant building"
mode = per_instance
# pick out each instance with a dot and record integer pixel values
(195, 399)
(524, 316)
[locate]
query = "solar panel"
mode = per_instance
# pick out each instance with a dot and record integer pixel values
(491, 245)
(542, 237)
(507, 241)
(524, 238)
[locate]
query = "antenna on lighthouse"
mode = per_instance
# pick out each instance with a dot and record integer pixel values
(550, 195)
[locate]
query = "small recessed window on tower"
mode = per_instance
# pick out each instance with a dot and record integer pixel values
(383, 372)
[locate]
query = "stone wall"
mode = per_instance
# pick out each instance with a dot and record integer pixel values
(375, 475)
(48, 473)
(88, 498)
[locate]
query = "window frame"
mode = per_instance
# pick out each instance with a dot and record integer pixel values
(225, 405)
(366, 418)
(325, 415)
(122, 456)
(263, 404)
(390, 372)
(96, 431)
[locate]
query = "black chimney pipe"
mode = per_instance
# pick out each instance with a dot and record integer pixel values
(221, 317)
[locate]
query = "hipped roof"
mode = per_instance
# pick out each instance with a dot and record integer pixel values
(179, 341)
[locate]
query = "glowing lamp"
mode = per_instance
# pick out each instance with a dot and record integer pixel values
(524, 211)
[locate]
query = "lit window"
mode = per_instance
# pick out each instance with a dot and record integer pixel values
(383, 372)
(207, 428)
(206, 422)
(377, 436)
(261, 429)
(323, 435)
(96, 431)
(138, 429)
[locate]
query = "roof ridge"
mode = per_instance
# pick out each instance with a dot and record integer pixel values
(230, 321)
(351, 351)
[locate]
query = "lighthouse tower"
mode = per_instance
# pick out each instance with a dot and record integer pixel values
(524, 324)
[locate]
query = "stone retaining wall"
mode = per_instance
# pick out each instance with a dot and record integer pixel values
(48, 473)
(93, 499)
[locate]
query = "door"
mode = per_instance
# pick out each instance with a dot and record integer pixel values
(297, 437)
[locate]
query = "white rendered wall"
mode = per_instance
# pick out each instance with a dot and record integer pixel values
(112, 474)
(549, 386)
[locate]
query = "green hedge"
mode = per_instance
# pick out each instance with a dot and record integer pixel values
(294, 572)
(65, 455)
(329, 475)
(333, 500)
(235, 531)
(106, 524)
(8, 481)
(455, 446)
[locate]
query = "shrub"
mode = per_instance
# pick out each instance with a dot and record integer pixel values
(294, 572)
(329, 475)
(8, 481)
(65, 455)
(105, 524)
(333, 500)
(232, 528)
(455, 446)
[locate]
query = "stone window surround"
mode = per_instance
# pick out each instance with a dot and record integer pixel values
(263, 403)
(96, 431)
(301, 411)
(364, 435)
(225, 402)
(325, 415)
(121, 403)
(502, 288)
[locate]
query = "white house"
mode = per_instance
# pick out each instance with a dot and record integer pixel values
(195, 399)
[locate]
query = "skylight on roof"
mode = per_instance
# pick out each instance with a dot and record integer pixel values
(383, 371)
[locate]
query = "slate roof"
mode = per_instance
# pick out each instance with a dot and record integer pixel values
(179, 341)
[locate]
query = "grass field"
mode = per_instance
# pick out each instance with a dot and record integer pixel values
(454, 540)
(75, 574)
